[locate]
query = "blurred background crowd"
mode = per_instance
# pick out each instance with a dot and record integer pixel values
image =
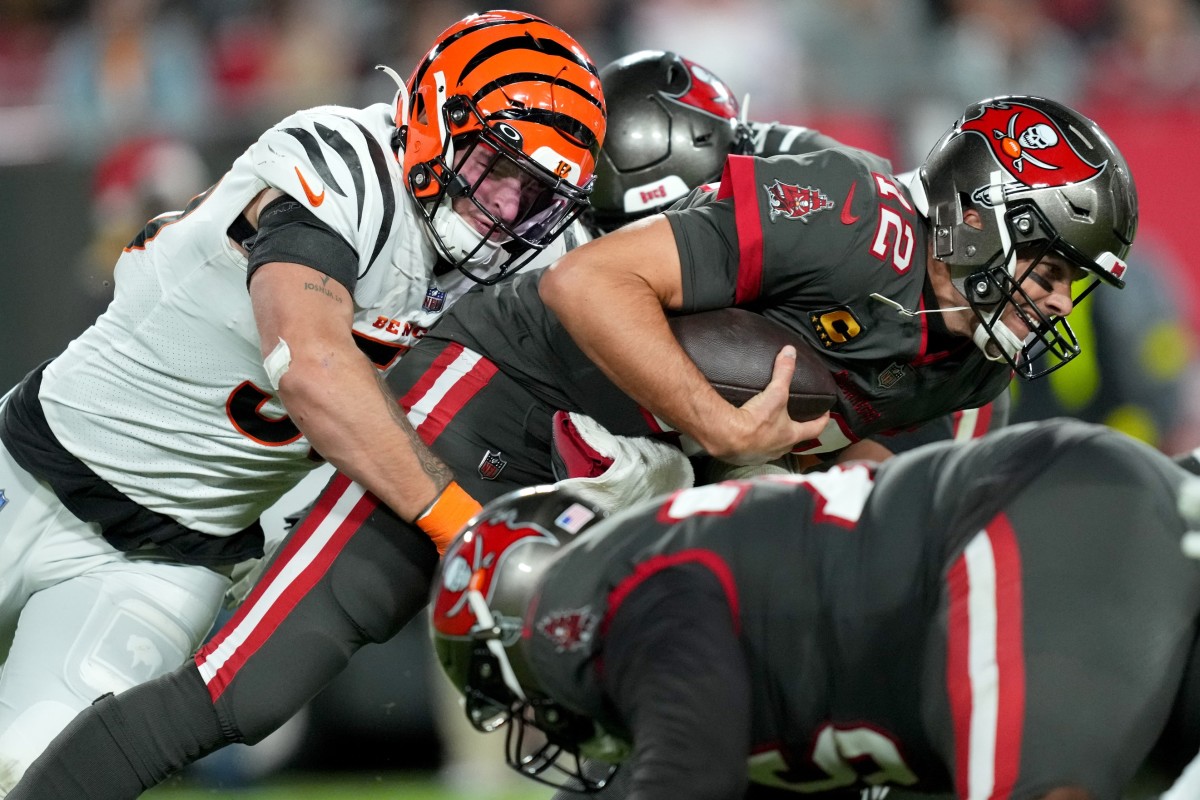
(112, 111)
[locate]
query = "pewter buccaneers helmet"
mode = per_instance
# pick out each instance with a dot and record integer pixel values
(1045, 179)
(529, 96)
(671, 124)
(481, 591)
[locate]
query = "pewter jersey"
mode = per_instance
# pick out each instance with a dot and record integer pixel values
(768, 139)
(1010, 615)
(166, 397)
(809, 241)
(805, 240)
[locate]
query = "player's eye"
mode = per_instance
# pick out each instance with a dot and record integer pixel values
(1042, 280)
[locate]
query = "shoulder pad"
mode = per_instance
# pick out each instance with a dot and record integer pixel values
(341, 170)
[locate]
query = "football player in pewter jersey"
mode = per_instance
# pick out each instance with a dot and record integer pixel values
(1019, 210)
(663, 142)
(1008, 618)
(664, 139)
(245, 342)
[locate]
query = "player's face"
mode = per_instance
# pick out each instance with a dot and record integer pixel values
(506, 191)
(1048, 286)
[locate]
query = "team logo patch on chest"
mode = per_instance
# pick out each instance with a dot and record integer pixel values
(568, 630)
(791, 201)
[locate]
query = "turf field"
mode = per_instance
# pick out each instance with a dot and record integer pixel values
(401, 786)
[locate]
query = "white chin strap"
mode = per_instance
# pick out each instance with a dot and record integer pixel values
(1004, 340)
(483, 615)
(460, 237)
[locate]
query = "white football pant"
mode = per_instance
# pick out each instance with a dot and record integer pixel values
(79, 618)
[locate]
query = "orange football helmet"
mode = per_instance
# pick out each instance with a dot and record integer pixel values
(512, 96)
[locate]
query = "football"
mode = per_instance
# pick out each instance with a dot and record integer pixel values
(735, 349)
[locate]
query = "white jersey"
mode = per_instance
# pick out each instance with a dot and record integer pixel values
(166, 397)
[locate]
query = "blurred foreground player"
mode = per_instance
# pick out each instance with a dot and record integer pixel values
(1009, 618)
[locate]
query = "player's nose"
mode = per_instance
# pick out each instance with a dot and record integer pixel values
(503, 196)
(1058, 302)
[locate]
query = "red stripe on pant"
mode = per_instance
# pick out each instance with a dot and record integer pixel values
(444, 359)
(300, 564)
(985, 663)
(456, 397)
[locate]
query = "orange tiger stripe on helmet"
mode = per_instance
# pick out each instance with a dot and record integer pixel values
(516, 68)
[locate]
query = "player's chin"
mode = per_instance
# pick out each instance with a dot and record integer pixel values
(1020, 328)
(499, 238)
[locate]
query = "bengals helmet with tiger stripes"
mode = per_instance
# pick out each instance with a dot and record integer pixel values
(511, 95)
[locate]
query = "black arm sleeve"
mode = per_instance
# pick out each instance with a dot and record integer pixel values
(289, 232)
(675, 671)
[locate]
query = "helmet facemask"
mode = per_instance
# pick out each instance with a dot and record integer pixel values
(521, 91)
(547, 203)
(997, 289)
(482, 592)
(544, 741)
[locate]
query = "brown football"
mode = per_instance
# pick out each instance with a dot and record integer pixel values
(735, 349)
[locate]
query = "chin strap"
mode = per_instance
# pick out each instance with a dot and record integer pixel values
(490, 632)
(999, 338)
(463, 244)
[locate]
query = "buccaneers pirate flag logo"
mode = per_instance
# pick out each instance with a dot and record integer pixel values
(471, 563)
(795, 202)
(1030, 146)
(570, 630)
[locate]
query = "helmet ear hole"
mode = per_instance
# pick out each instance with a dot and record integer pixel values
(456, 111)
(677, 78)
(982, 290)
(562, 727)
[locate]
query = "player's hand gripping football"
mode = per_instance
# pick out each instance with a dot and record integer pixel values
(762, 430)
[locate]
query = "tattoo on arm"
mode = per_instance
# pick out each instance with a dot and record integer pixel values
(323, 288)
(431, 464)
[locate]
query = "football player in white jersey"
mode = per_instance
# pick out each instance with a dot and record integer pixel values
(244, 345)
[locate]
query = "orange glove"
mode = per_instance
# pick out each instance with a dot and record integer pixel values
(447, 515)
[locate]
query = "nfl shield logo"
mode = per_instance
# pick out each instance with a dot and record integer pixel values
(891, 376)
(435, 298)
(491, 465)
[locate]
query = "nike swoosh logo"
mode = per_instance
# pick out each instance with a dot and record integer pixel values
(847, 217)
(315, 199)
